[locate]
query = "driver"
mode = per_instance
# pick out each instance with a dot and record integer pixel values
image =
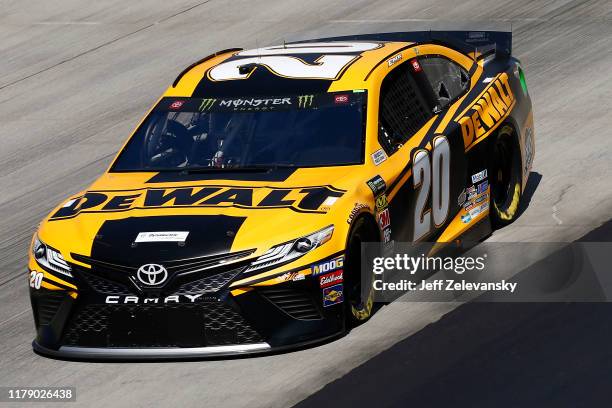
(171, 146)
(229, 132)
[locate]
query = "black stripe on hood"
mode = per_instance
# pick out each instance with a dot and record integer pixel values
(208, 235)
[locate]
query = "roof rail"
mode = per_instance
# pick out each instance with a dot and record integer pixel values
(178, 78)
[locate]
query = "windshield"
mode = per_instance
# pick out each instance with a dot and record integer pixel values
(248, 132)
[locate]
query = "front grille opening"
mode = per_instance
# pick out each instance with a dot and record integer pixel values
(208, 284)
(111, 279)
(48, 305)
(104, 286)
(201, 264)
(296, 303)
(177, 325)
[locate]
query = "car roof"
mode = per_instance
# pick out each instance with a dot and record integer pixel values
(364, 55)
(196, 80)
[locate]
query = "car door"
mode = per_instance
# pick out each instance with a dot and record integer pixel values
(417, 93)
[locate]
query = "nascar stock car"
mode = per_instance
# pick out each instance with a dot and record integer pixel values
(231, 221)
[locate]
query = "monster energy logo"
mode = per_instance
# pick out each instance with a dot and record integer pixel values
(305, 101)
(207, 104)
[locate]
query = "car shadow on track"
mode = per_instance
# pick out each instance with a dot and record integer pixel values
(532, 185)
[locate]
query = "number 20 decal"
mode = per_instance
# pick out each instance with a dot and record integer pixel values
(281, 61)
(36, 279)
(431, 175)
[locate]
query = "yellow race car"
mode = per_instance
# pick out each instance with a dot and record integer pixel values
(231, 221)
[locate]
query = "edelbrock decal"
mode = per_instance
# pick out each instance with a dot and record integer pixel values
(331, 278)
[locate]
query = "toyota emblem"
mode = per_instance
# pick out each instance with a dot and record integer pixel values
(152, 274)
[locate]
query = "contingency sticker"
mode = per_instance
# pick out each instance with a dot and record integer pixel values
(377, 185)
(481, 175)
(379, 156)
(333, 295)
(331, 278)
(327, 266)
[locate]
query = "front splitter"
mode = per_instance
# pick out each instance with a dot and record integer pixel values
(94, 353)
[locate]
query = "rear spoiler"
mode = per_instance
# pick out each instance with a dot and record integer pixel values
(477, 43)
(481, 43)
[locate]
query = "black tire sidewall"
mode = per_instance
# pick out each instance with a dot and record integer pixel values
(499, 214)
(361, 232)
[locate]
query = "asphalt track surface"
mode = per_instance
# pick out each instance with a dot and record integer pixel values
(75, 77)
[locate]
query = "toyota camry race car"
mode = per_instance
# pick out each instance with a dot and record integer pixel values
(232, 219)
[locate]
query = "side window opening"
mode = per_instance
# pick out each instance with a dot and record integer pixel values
(447, 78)
(464, 79)
(403, 109)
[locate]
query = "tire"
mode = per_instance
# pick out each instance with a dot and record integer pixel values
(505, 178)
(358, 303)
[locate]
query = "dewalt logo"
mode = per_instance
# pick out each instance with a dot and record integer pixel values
(308, 199)
(207, 104)
(305, 101)
(493, 105)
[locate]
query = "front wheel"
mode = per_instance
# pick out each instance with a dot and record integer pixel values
(505, 178)
(359, 298)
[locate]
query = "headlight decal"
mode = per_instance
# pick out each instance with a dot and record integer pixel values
(289, 251)
(274, 278)
(50, 258)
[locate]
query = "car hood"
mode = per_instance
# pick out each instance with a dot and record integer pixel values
(140, 218)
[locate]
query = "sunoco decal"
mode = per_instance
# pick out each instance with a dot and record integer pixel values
(333, 295)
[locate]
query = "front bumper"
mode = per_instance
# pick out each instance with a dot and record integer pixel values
(96, 353)
(262, 320)
(173, 354)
